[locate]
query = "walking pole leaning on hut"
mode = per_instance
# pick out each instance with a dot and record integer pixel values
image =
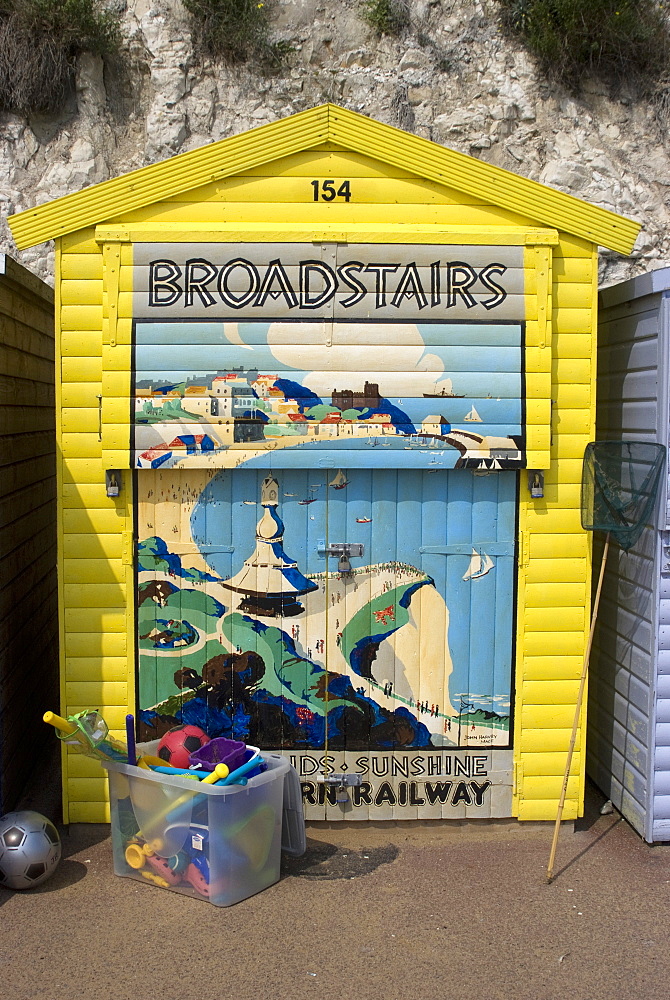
(620, 481)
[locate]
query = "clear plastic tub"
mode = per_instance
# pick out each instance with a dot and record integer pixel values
(218, 843)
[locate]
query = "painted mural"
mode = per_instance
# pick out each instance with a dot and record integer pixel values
(326, 440)
(422, 395)
(248, 627)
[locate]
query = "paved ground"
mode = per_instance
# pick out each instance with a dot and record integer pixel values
(444, 912)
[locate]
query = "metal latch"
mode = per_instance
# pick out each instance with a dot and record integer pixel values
(340, 782)
(665, 545)
(343, 550)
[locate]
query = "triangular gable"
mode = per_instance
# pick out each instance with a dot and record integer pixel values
(306, 130)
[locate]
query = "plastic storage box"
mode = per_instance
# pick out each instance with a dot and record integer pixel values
(219, 843)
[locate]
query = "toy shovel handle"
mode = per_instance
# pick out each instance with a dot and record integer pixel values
(58, 722)
(219, 772)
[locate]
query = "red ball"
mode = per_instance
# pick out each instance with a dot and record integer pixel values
(179, 743)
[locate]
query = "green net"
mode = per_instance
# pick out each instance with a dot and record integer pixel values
(620, 481)
(91, 737)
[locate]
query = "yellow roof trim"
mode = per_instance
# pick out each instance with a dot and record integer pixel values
(327, 123)
(324, 232)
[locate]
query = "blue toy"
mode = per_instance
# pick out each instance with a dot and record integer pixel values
(130, 739)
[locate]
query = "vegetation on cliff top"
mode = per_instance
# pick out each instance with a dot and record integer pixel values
(387, 17)
(235, 30)
(39, 44)
(620, 41)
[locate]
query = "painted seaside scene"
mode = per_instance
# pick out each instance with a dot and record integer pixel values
(448, 395)
(248, 627)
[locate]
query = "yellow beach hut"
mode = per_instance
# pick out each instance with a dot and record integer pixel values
(325, 389)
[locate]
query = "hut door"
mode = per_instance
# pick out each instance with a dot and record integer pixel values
(360, 620)
(327, 443)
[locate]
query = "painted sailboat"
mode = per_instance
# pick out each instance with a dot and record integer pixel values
(339, 480)
(472, 416)
(363, 520)
(480, 565)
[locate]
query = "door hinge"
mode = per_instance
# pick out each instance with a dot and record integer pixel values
(127, 548)
(524, 549)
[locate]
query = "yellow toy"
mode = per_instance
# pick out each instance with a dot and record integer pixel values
(156, 879)
(219, 773)
(147, 761)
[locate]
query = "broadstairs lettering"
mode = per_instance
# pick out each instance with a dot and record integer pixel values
(441, 286)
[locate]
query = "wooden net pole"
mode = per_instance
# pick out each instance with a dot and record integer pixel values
(578, 711)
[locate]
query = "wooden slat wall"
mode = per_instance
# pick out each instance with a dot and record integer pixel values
(554, 574)
(28, 602)
(94, 565)
(555, 555)
(628, 647)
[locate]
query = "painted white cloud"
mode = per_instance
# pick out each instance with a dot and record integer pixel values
(400, 367)
(231, 332)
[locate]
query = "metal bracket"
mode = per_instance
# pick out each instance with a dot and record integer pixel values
(343, 550)
(338, 778)
(665, 545)
(339, 781)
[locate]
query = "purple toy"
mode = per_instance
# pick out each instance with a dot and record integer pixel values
(219, 751)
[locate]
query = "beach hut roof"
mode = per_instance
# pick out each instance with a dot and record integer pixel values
(309, 130)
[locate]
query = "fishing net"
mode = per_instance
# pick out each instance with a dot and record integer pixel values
(90, 736)
(620, 481)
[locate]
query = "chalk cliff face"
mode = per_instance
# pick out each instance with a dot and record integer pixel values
(451, 77)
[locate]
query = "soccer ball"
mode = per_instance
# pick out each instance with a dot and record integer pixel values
(179, 743)
(29, 849)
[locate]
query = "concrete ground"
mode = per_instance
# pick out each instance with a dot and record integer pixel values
(438, 912)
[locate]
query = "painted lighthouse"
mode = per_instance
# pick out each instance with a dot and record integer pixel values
(270, 580)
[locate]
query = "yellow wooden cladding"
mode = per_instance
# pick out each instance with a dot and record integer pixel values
(95, 580)
(106, 668)
(94, 644)
(248, 188)
(552, 667)
(97, 692)
(554, 619)
(88, 812)
(314, 214)
(542, 764)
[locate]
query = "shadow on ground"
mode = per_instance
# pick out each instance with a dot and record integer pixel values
(326, 861)
(76, 838)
